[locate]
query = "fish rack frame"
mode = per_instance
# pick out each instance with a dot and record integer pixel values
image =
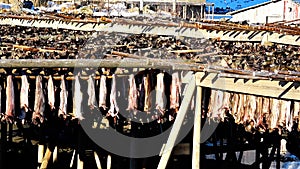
(282, 85)
(197, 78)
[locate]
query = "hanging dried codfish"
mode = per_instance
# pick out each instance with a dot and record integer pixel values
(266, 106)
(77, 99)
(140, 91)
(175, 92)
(246, 108)
(264, 119)
(259, 111)
(218, 105)
(241, 110)
(147, 104)
(114, 109)
(102, 92)
(225, 105)
(160, 93)
(274, 113)
(252, 107)
(281, 117)
(132, 95)
(296, 111)
(211, 103)
(24, 94)
(39, 101)
(285, 115)
(91, 93)
(234, 105)
(10, 99)
(63, 98)
(51, 93)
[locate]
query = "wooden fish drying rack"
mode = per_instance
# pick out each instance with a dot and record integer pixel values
(197, 78)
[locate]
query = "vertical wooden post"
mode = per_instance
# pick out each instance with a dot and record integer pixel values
(213, 11)
(40, 153)
(109, 162)
(46, 158)
(98, 163)
(79, 162)
(72, 159)
(208, 12)
(201, 11)
(174, 6)
(184, 12)
(197, 130)
(166, 152)
(142, 6)
(55, 154)
(80, 148)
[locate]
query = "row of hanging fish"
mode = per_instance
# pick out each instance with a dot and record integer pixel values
(146, 92)
(261, 112)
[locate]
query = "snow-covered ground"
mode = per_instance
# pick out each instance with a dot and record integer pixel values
(289, 161)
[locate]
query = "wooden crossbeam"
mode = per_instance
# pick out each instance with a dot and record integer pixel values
(267, 88)
(95, 63)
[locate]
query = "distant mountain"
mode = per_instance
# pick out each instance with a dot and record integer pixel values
(224, 6)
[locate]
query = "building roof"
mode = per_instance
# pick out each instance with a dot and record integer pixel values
(252, 7)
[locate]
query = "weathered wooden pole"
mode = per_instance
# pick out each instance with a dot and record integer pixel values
(55, 154)
(109, 162)
(40, 153)
(46, 158)
(166, 152)
(197, 130)
(98, 163)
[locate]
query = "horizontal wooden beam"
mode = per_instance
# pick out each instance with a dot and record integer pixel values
(268, 88)
(94, 63)
(191, 30)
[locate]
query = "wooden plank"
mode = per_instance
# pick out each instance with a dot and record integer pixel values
(84, 63)
(128, 55)
(268, 88)
(46, 158)
(197, 130)
(98, 163)
(186, 51)
(72, 159)
(177, 124)
(40, 153)
(80, 162)
(55, 153)
(108, 162)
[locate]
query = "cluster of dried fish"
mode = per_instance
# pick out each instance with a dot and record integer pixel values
(256, 113)
(161, 46)
(18, 42)
(256, 57)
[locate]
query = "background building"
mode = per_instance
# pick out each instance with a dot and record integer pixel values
(267, 12)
